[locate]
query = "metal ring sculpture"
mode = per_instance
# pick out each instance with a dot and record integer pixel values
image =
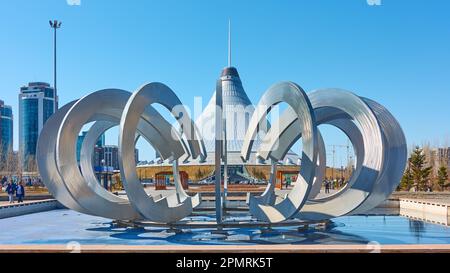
(376, 136)
(296, 98)
(78, 189)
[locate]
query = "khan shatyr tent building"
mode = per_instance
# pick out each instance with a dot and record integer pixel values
(238, 110)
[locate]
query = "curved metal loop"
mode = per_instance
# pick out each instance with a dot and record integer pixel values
(268, 197)
(330, 107)
(395, 158)
(103, 105)
(46, 160)
(297, 99)
(173, 207)
(80, 190)
(336, 104)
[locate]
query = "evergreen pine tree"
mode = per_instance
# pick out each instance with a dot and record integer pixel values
(407, 180)
(442, 177)
(420, 173)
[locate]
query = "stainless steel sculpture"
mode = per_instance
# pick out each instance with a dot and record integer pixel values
(173, 207)
(297, 99)
(376, 136)
(78, 189)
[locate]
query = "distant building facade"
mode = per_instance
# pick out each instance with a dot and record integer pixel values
(104, 155)
(111, 156)
(37, 103)
(108, 156)
(6, 129)
(100, 143)
(443, 156)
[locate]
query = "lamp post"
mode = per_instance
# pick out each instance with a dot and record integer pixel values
(55, 25)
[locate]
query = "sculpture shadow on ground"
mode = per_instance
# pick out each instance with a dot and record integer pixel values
(242, 236)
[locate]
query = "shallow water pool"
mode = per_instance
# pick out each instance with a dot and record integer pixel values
(64, 226)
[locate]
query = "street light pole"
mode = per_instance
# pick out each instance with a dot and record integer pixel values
(55, 25)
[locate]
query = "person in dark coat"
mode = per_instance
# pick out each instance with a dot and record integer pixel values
(20, 192)
(327, 186)
(10, 190)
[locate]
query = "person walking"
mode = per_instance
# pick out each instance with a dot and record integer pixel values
(288, 182)
(327, 186)
(20, 192)
(10, 190)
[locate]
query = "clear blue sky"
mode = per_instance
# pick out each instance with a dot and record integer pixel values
(397, 54)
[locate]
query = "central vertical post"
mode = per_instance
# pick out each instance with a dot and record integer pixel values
(225, 164)
(218, 151)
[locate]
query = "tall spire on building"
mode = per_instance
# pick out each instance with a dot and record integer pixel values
(237, 112)
(229, 43)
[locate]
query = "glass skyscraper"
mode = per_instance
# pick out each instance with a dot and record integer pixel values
(100, 143)
(36, 105)
(6, 129)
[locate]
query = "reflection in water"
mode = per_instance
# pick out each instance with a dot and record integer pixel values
(244, 236)
(63, 226)
(345, 230)
(439, 218)
(417, 228)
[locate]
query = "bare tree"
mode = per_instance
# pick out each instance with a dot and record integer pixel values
(10, 164)
(31, 164)
(32, 169)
